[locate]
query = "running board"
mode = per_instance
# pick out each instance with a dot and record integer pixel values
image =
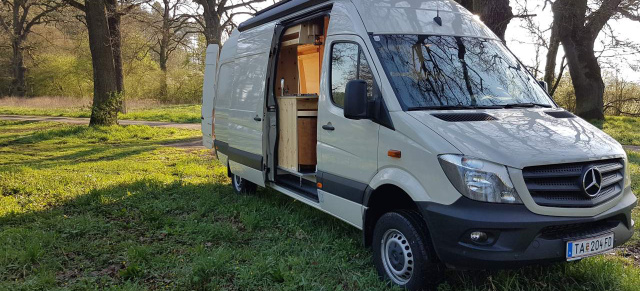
(296, 195)
(299, 185)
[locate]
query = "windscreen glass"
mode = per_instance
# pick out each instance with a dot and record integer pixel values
(428, 72)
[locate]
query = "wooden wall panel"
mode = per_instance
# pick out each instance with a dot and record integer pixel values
(288, 137)
(287, 69)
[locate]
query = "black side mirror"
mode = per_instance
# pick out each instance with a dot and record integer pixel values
(355, 101)
(544, 85)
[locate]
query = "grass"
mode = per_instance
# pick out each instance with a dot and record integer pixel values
(113, 208)
(625, 130)
(73, 107)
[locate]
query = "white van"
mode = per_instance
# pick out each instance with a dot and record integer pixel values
(411, 121)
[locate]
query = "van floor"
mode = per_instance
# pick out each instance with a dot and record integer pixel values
(300, 185)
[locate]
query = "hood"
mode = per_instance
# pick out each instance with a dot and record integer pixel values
(524, 137)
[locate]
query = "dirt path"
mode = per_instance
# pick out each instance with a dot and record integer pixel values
(632, 148)
(72, 120)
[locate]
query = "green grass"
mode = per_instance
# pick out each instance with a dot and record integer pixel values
(625, 130)
(113, 208)
(169, 113)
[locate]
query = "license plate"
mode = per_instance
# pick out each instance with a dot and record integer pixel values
(588, 247)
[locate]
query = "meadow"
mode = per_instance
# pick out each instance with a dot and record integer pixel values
(137, 109)
(119, 208)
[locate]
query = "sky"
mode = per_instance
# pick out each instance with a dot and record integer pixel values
(521, 42)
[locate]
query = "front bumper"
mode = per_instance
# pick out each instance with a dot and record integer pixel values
(518, 236)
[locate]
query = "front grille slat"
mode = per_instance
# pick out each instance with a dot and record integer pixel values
(611, 179)
(610, 167)
(560, 185)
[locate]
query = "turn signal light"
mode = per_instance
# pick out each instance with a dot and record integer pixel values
(394, 154)
(319, 185)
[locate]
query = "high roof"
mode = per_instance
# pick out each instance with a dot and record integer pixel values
(276, 11)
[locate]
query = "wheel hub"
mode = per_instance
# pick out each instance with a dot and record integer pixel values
(397, 256)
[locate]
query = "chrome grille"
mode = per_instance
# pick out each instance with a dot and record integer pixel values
(561, 185)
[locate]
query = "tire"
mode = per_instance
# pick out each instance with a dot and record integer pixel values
(403, 253)
(242, 186)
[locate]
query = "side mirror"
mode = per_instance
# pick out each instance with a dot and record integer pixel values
(544, 85)
(355, 100)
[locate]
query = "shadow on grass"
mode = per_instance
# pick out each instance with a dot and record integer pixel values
(138, 232)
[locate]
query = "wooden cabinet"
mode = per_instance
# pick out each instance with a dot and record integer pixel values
(298, 133)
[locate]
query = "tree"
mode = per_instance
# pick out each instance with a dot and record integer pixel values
(496, 14)
(577, 26)
(106, 96)
(218, 15)
(170, 29)
(17, 18)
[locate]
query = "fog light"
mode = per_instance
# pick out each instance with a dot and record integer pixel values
(478, 236)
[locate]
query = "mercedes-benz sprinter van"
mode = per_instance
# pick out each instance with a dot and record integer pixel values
(411, 121)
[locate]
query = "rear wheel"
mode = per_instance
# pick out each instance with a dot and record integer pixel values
(403, 253)
(242, 186)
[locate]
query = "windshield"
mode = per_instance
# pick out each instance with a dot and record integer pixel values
(431, 72)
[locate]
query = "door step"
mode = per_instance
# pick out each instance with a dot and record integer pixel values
(300, 185)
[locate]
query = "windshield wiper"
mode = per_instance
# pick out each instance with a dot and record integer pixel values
(526, 105)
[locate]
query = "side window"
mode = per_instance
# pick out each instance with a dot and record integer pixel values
(348, 63)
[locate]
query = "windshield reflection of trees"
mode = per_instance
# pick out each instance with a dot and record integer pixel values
(452, 71)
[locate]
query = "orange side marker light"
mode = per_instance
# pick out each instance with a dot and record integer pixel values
(394, 154)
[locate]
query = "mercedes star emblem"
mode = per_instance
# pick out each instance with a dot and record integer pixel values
(591, 181)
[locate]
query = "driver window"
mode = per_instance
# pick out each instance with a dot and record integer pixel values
(348, 63)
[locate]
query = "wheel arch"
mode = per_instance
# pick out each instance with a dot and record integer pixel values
(378, 201)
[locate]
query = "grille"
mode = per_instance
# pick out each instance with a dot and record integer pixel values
(462, 117)
(561, 185)
(580, 230)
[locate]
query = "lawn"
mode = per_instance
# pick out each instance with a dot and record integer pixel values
(73, 107)
(625, 130)
(115, 208)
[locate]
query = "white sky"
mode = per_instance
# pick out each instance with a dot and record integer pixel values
(521, 42)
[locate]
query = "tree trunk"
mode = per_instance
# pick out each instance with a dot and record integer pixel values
(578, 34)
(113, 18)
(586, 77)
(213, 28)
(163, 51)
(496, 14)
(552, 55)
(106, 99)
(18, 84)
(466, 4)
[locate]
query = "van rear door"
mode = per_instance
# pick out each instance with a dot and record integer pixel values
(209, 94)
(247, 103)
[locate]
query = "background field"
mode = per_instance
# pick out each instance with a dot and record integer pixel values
(144, 109)
(117, 208)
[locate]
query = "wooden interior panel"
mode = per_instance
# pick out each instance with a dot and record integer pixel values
(287, 69)
(307, 140)
(308, 104)
(288, 137)
(308, 65)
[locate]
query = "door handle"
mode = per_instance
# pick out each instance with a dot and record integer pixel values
(257, 118)
(328, 126)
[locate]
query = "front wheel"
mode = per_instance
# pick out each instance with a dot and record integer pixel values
(242, 186)
(403, 253)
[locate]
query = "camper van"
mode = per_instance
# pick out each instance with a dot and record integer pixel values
(411, 121)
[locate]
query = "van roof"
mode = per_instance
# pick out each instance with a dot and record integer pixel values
(391, 17)
(278, 10)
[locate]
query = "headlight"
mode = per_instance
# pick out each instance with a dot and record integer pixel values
(479, 180)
